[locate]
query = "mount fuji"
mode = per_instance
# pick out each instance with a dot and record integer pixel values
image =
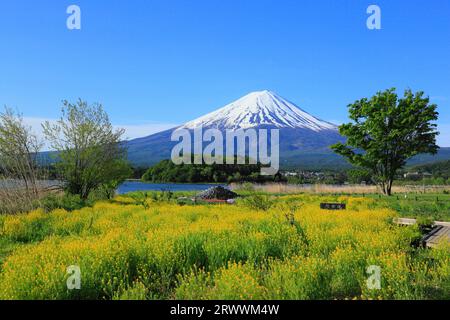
(304, 139)
(263, 108)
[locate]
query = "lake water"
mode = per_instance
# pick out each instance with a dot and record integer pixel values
(127, 186)
(130, 186)
(12, 183)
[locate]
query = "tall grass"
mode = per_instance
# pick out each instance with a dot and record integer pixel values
(14, 198)
(335, 189)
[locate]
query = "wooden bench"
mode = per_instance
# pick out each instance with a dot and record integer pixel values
(440, 232)
(437, 235)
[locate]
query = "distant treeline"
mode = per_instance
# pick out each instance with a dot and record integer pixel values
(436, 173)
(167, 171)
(437, 169)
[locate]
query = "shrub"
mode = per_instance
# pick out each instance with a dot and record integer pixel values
(258, 202)
(141, 198)
(66, 201)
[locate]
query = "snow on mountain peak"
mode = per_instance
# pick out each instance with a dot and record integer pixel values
(257, 109)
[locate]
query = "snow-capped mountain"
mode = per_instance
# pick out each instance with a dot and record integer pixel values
(304, 139)
(261, 108)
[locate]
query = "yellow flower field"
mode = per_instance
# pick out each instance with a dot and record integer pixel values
(170, 251)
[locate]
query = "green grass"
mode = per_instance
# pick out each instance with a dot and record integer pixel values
(432, 206)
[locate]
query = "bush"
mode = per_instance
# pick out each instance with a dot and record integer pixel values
(258, 202)
(67, 202)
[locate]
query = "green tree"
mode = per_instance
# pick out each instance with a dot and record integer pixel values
(90, 154)
(357, 176)
(386, 131)
(117, 173)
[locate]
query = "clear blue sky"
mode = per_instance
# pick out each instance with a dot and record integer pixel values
(169, 61)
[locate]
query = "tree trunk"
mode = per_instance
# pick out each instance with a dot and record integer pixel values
(389, 191)
(383, 187)
(386, 187)
(389, 187)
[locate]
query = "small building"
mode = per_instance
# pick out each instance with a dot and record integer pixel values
(417, 175)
